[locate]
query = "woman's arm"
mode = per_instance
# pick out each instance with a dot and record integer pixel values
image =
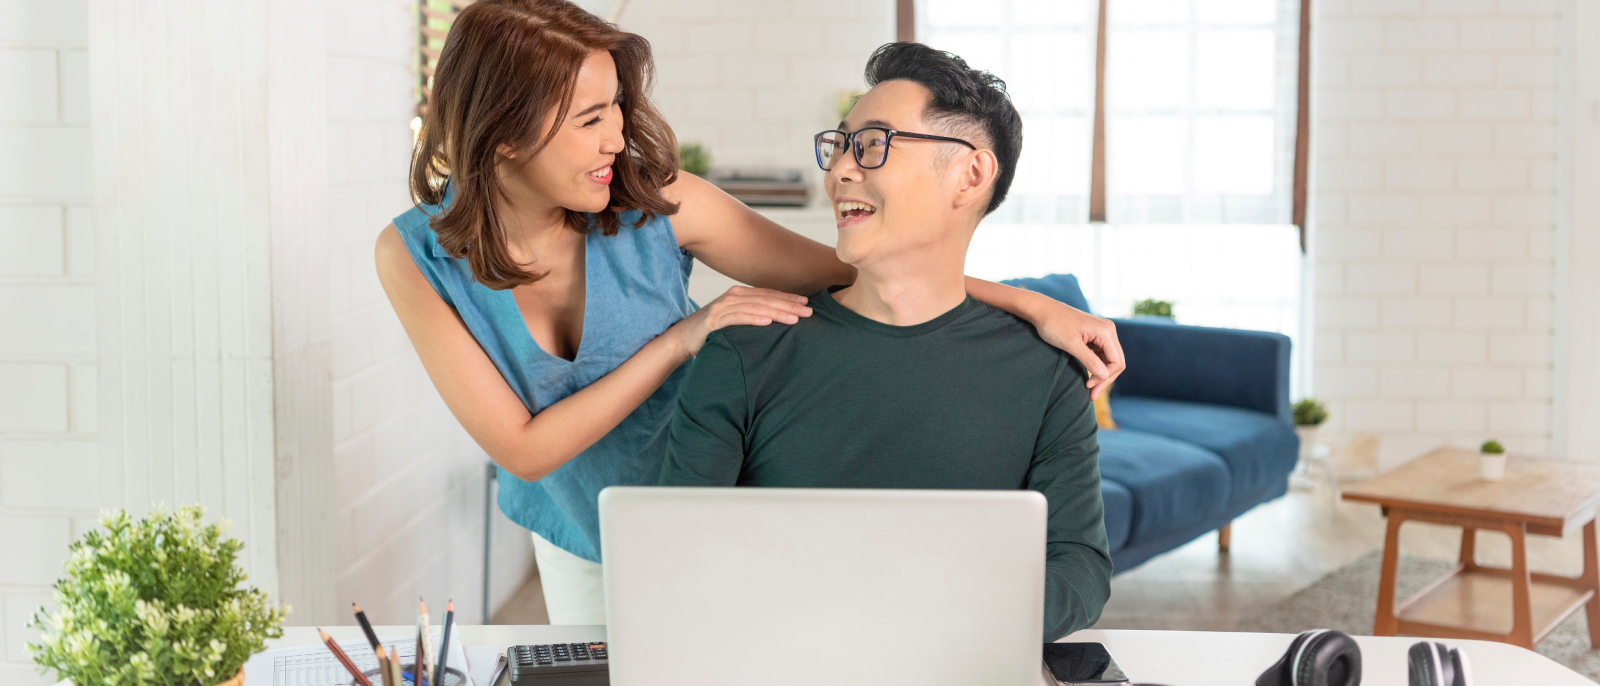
(735, 240)
(533, 445)
(1090, 339)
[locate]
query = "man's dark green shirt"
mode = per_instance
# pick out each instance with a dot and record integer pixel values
(973, 399)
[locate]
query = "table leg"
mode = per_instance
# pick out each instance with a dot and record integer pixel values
(1521, 587)
(1591, 581)
(1386, 623)
(1469, 548)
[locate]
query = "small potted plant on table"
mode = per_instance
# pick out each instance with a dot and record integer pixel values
(154, 601)
(1309, 415)
(1491, 461)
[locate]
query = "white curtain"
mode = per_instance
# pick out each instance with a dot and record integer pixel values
(1044, 49)
(1200, 111)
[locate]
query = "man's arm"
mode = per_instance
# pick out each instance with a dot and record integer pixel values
(1066, 469)
(705, 445)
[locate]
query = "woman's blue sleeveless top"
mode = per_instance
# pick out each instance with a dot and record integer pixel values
(637, 286)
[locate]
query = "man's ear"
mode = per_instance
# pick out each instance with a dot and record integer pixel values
(975, 180)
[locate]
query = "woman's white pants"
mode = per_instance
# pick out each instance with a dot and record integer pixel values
(574, 589)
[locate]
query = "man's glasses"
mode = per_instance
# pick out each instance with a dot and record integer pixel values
(870, 145)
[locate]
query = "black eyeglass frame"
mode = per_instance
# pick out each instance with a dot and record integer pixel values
(889, 135)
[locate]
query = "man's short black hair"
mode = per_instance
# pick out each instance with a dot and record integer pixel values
(963, 97)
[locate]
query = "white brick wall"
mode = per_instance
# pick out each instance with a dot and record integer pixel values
(753, 81)
(1436, 212)
(48, 437)
(409, 480)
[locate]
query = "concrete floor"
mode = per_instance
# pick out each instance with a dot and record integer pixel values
(1277, 549)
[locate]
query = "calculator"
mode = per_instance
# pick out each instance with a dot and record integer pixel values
(559, 664)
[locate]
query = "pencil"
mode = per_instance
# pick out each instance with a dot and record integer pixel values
(418, 668)
(444, 645)
(424, 649)
(366, 627)
(394, 667)
(343, 659)
(383, 666)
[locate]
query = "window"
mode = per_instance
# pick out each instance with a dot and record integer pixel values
(433, 26)
(1045, 51)
(1202, 104)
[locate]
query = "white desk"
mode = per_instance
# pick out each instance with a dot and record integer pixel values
(1175, 658)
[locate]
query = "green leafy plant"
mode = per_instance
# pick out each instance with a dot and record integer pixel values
(1153, 308)
(1492, 447)
(845, 100)
(694, 158)
(1310, 412)
(154, 601)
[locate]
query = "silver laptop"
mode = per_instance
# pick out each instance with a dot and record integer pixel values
(804, 587)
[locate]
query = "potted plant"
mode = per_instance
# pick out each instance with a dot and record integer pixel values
(1150, 307)
(1309, 414)
(695, 159)
(1491, 460)
(154, 601)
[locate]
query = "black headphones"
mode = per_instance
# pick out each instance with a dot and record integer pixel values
(1318, 658)
(1434, 664)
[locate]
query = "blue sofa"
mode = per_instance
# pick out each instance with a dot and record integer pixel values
(1204, 429)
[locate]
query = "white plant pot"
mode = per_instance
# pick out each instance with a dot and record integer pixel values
(1308, 439)
(1491, 467)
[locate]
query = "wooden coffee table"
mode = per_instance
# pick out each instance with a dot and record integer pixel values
(1539, 496)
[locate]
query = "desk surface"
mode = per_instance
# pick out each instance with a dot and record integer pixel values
(1175, 658)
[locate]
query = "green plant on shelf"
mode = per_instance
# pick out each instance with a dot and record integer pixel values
(154, 601)
(1492, 447)
(1310, 412)
(1150, 307)
(694, 158)
(845, 100)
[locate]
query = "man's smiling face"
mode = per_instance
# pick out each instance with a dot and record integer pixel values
(897, 208)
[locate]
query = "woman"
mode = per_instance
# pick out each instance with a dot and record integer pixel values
(543, 275)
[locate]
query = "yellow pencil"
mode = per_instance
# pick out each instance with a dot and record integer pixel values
(394, 667)
(383, 667)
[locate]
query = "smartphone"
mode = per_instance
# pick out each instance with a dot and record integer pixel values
(1082, 663)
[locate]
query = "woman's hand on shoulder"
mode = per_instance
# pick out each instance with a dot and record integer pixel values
(1090, 339)
(740, 306)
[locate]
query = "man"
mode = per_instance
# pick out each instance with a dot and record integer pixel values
(900, 380)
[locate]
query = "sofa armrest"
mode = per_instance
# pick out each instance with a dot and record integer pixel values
(1232, 367)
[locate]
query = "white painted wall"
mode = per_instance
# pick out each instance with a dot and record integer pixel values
(1434, 234)
(410, 482)
(230, 378)
(754, 81)
(1577, 363)
(48, 422)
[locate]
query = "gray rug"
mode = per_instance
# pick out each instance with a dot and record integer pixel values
(1345, 600)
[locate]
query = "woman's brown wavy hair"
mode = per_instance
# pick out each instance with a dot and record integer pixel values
(504, 67)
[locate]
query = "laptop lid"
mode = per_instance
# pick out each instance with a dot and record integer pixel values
(710, 586)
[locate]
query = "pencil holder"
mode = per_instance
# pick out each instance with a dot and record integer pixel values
(452, 677)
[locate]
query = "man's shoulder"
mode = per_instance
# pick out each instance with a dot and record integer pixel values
(751, 343)
(1021, 339)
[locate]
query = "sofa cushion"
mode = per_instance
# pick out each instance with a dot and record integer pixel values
(1119, 512)
(1061, 287)
(1260, 450)
(1172, 483)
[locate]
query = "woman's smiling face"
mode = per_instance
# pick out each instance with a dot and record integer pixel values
(574, 170)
